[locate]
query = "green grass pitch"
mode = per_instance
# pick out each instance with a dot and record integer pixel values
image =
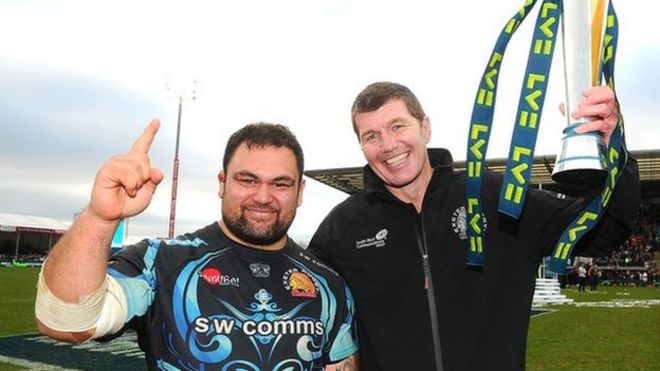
(614, 328)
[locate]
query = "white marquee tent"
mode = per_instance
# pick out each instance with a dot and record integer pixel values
(39, 233)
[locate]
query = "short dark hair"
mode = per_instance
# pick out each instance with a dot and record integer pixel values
(377, 94)
(264, 134)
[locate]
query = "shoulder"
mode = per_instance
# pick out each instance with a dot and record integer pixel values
(138, 250)
(312, 262)
(351, 206)
(151, 250)
(200, 238)
(344, 214)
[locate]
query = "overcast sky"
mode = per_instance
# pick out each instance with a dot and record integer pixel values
(80, 79)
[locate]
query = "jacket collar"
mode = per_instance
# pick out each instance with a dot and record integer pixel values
(441, 161)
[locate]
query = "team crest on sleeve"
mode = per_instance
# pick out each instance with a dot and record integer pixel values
(299, 283)
(459, 224)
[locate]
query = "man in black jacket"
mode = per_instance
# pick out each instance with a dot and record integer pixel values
(401, 243)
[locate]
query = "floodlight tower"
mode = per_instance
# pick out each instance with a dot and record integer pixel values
(182, 93)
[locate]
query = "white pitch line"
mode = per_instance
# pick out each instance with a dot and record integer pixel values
(617, 303)
(33, 366)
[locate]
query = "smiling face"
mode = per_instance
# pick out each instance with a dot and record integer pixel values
(394, 144)
(260, 194)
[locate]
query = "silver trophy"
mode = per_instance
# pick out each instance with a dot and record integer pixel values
(582, 157)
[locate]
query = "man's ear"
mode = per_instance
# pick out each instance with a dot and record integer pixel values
(221, 180)
(426, 129)
(300, 191)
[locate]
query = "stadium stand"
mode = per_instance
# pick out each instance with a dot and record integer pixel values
(27, 239)
(639, 255)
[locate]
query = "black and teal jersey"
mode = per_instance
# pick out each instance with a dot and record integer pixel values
(204, 302)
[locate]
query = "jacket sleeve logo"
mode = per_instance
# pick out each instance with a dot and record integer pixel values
(376, 241)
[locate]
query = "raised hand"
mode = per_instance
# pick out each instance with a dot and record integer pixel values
(125, 184)
(600, 108)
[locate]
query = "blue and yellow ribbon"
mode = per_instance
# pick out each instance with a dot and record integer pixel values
(530, 108)
(528, 118)
(480, 128)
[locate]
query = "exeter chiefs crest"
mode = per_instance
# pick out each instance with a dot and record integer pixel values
(299, 283)
(459, 225)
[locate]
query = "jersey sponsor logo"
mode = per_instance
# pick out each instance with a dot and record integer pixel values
(378, 240)
(213, 277)
(459, 224)
(299, 283)
(264, 322)
(223, 326)
(260, 270)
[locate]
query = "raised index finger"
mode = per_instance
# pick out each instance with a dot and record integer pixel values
(143, 143)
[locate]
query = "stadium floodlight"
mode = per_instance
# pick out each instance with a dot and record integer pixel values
(181, 91)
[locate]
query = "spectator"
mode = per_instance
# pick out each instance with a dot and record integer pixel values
(594, 277)
(582, 277)
(644, 279)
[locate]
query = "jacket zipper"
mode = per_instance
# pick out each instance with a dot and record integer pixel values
(420, 233)
(430, 292)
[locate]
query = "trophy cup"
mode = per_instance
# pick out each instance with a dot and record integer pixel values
(581, 159)
(588, 27)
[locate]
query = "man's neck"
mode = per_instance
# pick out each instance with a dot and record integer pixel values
(414, 192)
(278, 245)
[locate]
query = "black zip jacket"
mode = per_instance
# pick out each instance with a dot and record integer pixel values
(483, 314)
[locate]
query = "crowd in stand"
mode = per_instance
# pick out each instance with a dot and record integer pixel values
(24, 258)
(640, 249)
(634, 263)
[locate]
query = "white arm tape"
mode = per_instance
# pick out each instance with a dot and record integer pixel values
(104, 310)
